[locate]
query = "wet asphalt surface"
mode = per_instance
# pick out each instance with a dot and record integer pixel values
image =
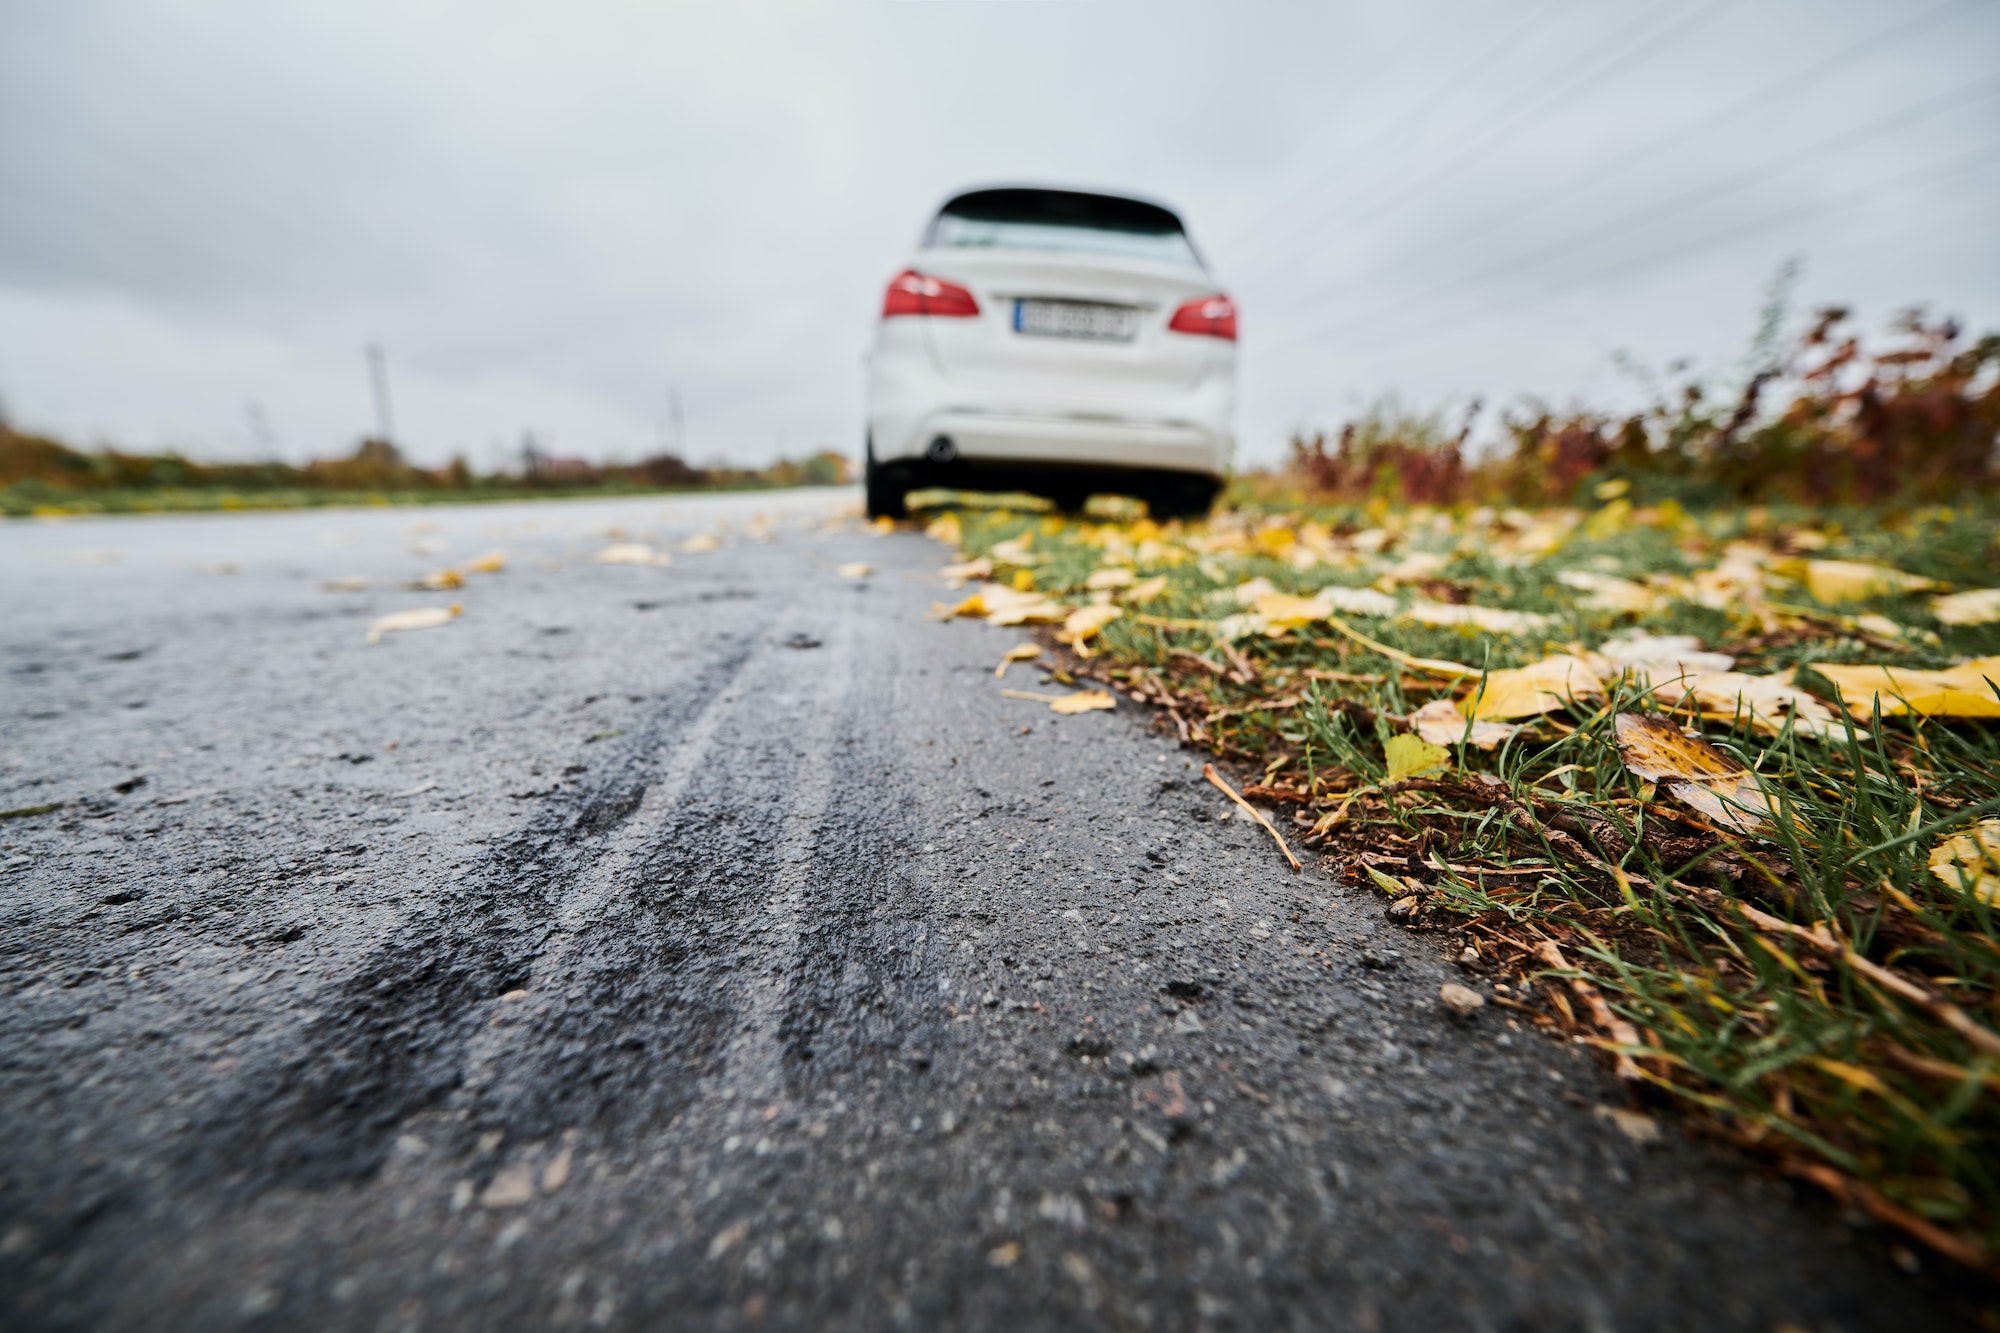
(713, 946)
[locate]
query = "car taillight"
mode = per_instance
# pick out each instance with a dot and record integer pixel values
(914, 293)
(1210, 316)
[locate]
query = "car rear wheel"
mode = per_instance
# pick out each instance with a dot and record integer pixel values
(1183, 497)
(885, 490)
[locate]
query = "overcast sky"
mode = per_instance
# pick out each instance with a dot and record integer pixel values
(548, 214)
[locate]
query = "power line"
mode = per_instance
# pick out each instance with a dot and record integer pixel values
(1587, 81)
(1653, 212)
(1873, 45)
(1990, 153)
(1421, 110)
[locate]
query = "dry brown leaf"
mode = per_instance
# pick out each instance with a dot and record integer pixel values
(1978, 607)
(1694, 772)
(1541, 687)
(422, 617)
(1970, 862)
(1440, 723)
(1966, 690)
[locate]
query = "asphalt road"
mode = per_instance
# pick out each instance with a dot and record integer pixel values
(713, 946)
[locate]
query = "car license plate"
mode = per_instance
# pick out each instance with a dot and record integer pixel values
(1076, 319)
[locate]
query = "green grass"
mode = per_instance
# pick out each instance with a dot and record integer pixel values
(1834, 1055)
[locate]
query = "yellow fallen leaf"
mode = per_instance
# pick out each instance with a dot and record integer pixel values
(1010, 606)
(1147, 589)
(1278, 610)
(490, 563)
(422, 617)
(1440, 723)
(1969, 862)
(1085, 621)
(1017, 550)
(352, 583)
(702, 541)
(1693, 772)
(883, 526)
(1414, 567)
(1851, 580)
(1541, 687)
(1978, 607)
(442, 580)
(946, 529)
(1115, 576)
(1357, 601)
(856, 570)
(958, 574)
(1247, 593)
(1020, 652)
(632, 553)
(1083, 701)
(1023, 580)
(1410, 755)
(1966, 690)
(1765, 701)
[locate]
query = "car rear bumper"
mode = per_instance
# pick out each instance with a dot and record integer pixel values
(1112, 444)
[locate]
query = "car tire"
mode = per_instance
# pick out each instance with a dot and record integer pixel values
(1189, 497)
(885, 491)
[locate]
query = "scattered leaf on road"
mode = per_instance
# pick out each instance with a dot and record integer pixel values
(442, 580)
(422, 617)
(632, 553)
(960, 574)
(855, 570)
(1020, 652)
(352, 583)
(1083, 701)
(490, 563)
(702, 541)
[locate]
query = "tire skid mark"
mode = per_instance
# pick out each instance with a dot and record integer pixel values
(324, 1105)
(624, 1009)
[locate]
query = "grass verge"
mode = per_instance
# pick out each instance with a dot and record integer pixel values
(1813, 980)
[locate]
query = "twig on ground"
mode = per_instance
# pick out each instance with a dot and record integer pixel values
(1208, 771)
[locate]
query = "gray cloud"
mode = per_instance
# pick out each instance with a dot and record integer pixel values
(549, 214)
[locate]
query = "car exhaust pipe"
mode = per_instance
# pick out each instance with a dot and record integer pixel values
(941, 450)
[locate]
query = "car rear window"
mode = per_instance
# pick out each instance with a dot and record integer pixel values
(1066, 221)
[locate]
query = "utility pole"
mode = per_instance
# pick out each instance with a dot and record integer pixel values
(378, 378)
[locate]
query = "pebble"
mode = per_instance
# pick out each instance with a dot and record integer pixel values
(1463, 1001)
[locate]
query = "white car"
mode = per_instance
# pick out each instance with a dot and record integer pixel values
(1056, 342)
